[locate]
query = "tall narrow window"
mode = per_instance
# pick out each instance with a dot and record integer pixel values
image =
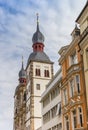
(80, 116)
(74, 119)
(72, 87)
(37, 72)
(46, 73)
(73, 59)
(67, 123)
(78, 83)
(65, 96)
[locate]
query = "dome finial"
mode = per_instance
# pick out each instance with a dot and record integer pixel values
(37, 21)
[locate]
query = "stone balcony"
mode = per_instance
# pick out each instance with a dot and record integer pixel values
(74, 68)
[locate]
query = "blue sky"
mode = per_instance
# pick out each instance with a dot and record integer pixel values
(17, 25)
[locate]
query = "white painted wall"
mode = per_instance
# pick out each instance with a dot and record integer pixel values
(57, 119)
(43, 81)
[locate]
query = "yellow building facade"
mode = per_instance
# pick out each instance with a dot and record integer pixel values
(74, 61)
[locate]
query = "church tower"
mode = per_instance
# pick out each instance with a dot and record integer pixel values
(20, 101)
(39, 72)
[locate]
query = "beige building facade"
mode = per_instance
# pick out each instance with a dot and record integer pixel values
(82, 20)
(20, 102)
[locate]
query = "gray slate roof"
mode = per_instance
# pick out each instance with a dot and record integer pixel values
(39, 56)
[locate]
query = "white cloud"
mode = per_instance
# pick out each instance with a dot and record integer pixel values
(57, 20)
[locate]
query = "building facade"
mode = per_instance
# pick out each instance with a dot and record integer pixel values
(39, 72)
(20, 102)
(51, 104)
(74, 114)
(82, 20)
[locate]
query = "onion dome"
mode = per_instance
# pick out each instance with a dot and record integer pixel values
(38, 37)
(22, 73)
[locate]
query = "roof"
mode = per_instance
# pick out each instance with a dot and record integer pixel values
(39, 56)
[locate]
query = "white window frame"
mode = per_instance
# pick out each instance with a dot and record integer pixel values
(79, 116)
(58, 109)
(72, 87)
(78, 82)
(73, 119)
(73, 59)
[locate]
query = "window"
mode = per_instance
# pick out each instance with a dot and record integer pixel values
(55, 92)
(25, 96)
(67, 123)
(54, 128)
(58, 109)
(54, 111)
(72, 87)
(78, 83)
(37, 72)
(65, 96)
(73, 59)
(74, 119)
(46, 117)
(38, 86)
(57, 127)
(80, 116)
(46, 73)
(46, 101)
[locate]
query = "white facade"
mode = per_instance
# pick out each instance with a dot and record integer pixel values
(51, 104)
(35, 87)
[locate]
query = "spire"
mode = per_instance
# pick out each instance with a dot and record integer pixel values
(38, 36)
(22, 73)
(37, 21)
(22, 63)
